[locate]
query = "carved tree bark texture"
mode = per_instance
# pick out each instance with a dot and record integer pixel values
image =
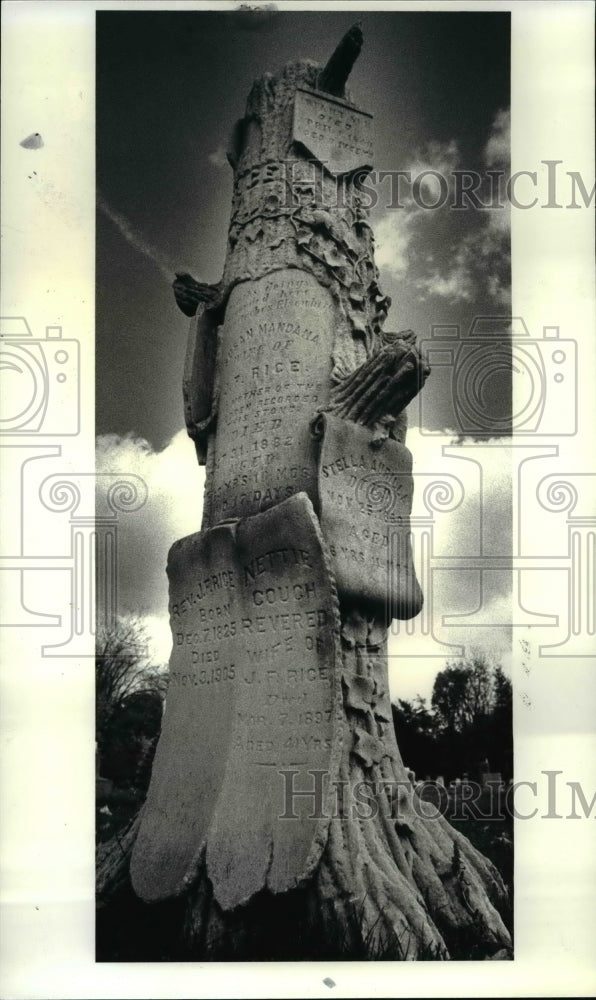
(401, 886)
(295, 329)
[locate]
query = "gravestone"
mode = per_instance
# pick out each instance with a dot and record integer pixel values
(254, 690)
(294, 395)
(365, 496)
(277, 343)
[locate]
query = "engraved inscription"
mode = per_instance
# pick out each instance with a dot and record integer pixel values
(339, 135)
(254, 687)
(287, 702)
(272, 381)
(190, 760)
(366, 499)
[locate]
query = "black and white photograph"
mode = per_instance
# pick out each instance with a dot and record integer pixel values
(299, 539)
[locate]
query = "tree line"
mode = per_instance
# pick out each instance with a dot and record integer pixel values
(466, 729)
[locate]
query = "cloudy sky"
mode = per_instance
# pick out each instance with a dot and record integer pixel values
(169, 88)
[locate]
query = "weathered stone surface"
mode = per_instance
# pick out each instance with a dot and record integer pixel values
(254, 690)
(199, 378)
(295, 328)
(189, 293)
(334, 75)
(365, 496)
(191, 755)
(337, 133)
(276, 364)
(287, 713)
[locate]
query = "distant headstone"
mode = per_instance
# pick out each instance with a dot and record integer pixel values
(491, 779)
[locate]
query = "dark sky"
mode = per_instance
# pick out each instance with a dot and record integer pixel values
(170, 86)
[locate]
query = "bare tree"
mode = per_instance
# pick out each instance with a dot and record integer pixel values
(123, 667)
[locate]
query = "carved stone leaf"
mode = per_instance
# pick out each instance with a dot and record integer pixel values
(359, 693)
(377, 670)
(358, 322)
(356, 294)
(323, 218)
(189, 293)
(406, 336)
(333, 258)
(354, 629)
(253, 230)
(377, 634)
(304, 238)
(369, 749)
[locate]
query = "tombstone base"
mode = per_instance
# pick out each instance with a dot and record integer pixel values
(395, 881)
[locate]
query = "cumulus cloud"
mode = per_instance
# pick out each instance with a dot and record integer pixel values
(481, 260)
(479, 515)
(456, 284)
(436, 158)
(397, 229)
(393, 234)
(481, 265)
(478, 263)
(173, 509)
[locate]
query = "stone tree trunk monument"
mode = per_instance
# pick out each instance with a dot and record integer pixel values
(279, 812)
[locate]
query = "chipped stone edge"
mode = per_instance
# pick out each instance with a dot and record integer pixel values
(192, 870)
(322, 830)
(322, 833)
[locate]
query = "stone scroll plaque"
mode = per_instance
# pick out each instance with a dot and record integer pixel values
(274, 373)
(191, 755)
(365, 496)
(254, 691)
(339, 135)
(287, 713)
(198, 381)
